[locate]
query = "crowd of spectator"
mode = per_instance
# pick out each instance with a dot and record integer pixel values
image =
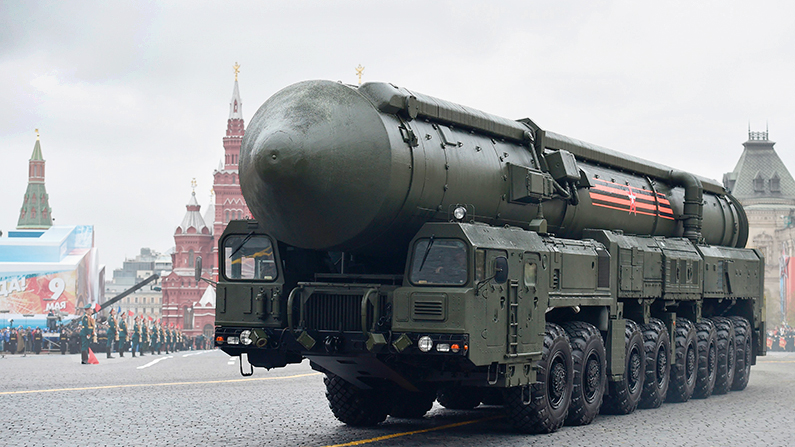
(781, 338)
(21, 340)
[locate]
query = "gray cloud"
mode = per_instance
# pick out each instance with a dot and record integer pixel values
(132, 97)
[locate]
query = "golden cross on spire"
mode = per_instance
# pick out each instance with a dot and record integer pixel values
(37, 134)
(359, 72)
(237, 69)
(193, 185)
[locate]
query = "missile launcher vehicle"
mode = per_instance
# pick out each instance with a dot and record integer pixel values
(414, 250)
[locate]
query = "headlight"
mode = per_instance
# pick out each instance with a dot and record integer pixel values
(443, 347)
(245, 337)
(425, 343)
(460, 213)
(233, 340)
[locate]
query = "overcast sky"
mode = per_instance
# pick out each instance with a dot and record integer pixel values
(132, 98)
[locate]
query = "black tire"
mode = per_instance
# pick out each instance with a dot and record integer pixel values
(590, 372)
(355, 406)
(623, 396)
(657, 345)
(684, 368)
(410, 405)
(549, 397)
(744, 349)
(724, 330)
(459, 397)
(707, 340)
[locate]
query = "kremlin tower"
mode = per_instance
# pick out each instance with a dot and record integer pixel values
(36, 213)
(229, 202)
(187, 304)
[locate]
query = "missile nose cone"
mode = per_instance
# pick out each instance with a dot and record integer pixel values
(315, 165)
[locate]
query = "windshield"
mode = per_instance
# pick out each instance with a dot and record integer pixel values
(249, 257)
(439, 262)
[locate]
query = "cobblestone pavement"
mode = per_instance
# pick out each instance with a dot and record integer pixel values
(199, 398)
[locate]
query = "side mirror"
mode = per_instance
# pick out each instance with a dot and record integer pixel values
(198, 273)
(500, 270)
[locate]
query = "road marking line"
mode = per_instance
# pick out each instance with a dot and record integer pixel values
(196, 353)
(426, 430)
(154, 362)
(139, 385)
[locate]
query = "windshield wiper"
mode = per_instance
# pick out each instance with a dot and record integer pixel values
(237, 249)
(427, 250)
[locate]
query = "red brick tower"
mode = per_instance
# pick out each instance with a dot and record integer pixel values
(181, 292)
(36, 213)
(229, 203)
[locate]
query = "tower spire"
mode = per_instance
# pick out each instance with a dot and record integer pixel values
(236, 104)
(234, 127)
(359, 73)
(35, 212)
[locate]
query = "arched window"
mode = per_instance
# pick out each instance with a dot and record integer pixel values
(187, 317)
(190, 258)
(227, 217)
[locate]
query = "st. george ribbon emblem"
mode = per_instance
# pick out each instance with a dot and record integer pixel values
(630, 199)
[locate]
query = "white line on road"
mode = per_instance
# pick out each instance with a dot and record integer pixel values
(248, 379)
(154, 362)
(196, 353)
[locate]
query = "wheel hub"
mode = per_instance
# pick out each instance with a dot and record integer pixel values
(690, 364)
(592, 378)
(662, 365)
(558, 378)
(634, 370)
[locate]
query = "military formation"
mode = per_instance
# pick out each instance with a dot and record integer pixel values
(147, 335)
(111, 334)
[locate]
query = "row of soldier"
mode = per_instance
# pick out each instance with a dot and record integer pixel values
(142, 337)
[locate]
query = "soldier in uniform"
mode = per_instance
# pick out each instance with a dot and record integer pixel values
(63, 340)
(37, 339)
(172, 337)
(155, 338)
(164, 337)
(12, 341)
(112, 334)
(87, 326)
(122, 346)
(136, 337)
(144, 336)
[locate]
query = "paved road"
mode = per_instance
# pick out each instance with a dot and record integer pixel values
(199, 398)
